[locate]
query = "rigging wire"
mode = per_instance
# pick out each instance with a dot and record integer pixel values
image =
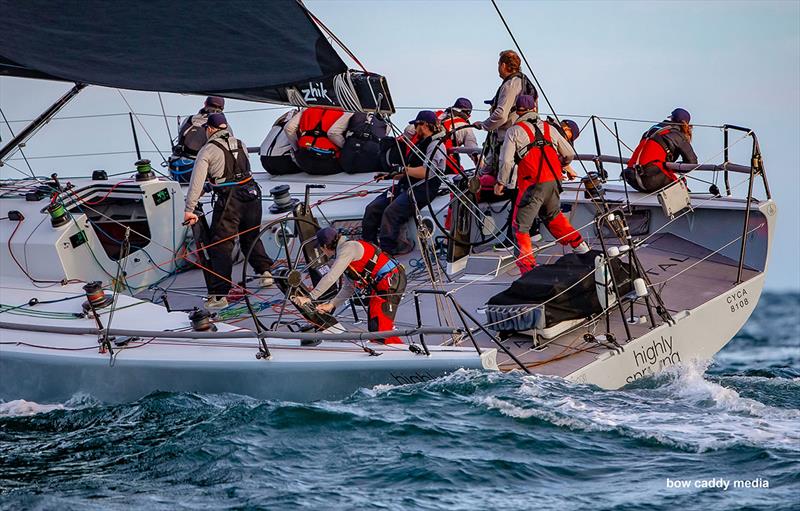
(33, 174)
(522, 54)
(146, 132)
(164, 112)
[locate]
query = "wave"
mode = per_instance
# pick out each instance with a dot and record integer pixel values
(680, 408)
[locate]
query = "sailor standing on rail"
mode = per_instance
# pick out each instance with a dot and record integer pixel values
(365, 266)
(237, 207)
(539, 153)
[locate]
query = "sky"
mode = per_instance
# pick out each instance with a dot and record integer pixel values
(724, 61)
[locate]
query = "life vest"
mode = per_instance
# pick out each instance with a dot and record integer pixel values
(191, 135)
(361, 151)
(527, 87)
(653, 149)
(314, 125)
(538, 162)
(552, 122)
(450, 123)
(416, 157)
(371, 267)
(276, 142)
(237, 165)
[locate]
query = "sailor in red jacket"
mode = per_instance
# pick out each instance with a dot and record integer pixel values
(662, 143)
(459, 133)
(365, 266)
(318, 134)
(539, 152)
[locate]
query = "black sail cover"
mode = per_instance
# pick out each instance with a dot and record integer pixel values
(243, 49)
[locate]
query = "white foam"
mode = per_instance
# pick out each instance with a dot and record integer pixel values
(20, 407)
(688, 411)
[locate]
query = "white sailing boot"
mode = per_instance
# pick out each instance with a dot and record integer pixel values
(216, 302)
(582, 248)
(266, 279)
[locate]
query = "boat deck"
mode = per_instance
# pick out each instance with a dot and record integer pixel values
(686, 274)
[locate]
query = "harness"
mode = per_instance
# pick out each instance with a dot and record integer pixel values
(653, 144)
(449, 124)
(237, 167)
(314, 125)
(363, 127)
(373, 266)
(540, 141)
(281, 125)
(527, 87)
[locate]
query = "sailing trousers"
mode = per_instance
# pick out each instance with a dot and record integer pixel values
(280, 165)
(315, 164)
(540, 200)
(389, 215)
(648, 178)
(384, 301)
(236, 209)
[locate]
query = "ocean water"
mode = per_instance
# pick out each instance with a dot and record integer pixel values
(468, 441)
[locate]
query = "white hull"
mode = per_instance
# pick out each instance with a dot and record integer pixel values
(697, 335)
(45, 367)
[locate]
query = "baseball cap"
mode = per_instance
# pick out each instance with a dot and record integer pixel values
(463, 104)
(217, 120)
(326, 235)
(573, 127)
(425, 116)
(215, 101)
(680, 115)
(526, 101)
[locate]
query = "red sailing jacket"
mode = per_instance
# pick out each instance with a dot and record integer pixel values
(541, 163)
(453, 160)
(315, 122)
(652, 151)
(364, 270)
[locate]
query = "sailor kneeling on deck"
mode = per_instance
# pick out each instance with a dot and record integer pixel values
(237, 208)
(662, 143)
(367, 267)
(539, 153)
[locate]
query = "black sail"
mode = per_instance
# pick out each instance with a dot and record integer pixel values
(258, 51)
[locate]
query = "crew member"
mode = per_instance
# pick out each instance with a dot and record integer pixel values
(318, 133)
(192, 133)
(191, 138)
(454, 121)
(539, 153)
(568, 129)
(662, 143)
(277, 151)
(365, 266)
(237, 208)
(416, 185)
(502, 116)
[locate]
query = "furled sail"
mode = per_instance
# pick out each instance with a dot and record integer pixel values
(256, 51)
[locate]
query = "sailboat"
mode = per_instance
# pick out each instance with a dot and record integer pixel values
(100, 281)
